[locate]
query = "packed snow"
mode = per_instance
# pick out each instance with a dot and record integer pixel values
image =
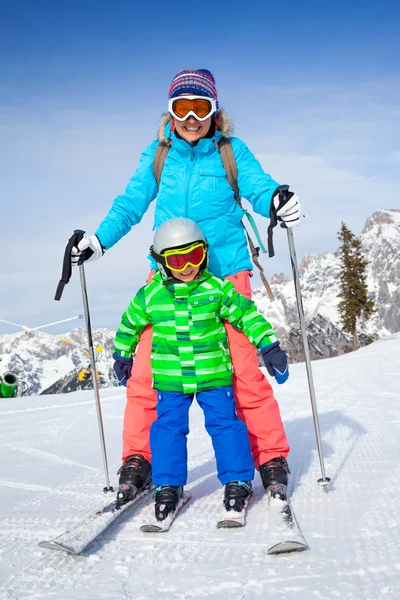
(52, 477)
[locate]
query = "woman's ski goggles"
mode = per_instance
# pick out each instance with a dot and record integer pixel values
(200, 108)
(178, 259)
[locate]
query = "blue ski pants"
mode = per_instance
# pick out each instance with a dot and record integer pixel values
(168, 436)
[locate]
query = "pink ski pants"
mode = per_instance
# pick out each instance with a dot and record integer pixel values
(255, 402)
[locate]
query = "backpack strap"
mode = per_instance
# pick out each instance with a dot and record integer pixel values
(230, 166)
(159, 160)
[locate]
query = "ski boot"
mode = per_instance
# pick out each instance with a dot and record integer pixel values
(237, 494)
(275, 473)
(134, 476)
(166, 498)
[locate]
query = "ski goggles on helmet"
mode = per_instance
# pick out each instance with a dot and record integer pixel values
(182, 107)
(178, 259)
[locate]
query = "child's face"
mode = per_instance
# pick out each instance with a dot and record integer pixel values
(187, 275)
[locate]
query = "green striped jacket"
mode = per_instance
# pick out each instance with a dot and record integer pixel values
(190, 349)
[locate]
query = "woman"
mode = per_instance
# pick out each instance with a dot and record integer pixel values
(194, 184)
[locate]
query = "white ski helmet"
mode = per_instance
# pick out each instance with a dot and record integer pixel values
(176, 233)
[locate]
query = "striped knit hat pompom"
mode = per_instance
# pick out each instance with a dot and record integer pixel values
(200, 82)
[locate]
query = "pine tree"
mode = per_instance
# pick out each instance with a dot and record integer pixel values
(353, 284)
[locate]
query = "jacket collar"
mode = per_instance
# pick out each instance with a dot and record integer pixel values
(186, 288)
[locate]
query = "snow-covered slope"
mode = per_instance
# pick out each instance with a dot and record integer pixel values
(52, 477)
(319, 276)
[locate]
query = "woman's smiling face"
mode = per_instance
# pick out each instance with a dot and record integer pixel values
(192, 130)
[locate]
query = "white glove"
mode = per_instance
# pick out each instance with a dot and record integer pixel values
(287, 207)
(88, 249)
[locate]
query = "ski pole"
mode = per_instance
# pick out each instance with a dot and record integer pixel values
(108, 487)
(65, 277)
(324, 481)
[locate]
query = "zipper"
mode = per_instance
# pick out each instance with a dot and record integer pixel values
(188, 177)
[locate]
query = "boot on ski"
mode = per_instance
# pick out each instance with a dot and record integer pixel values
(275, 472)
(237, 494)
(166, 500)
(134, 476)
(236, 498)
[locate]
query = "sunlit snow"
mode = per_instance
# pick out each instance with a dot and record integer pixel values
(52, 477)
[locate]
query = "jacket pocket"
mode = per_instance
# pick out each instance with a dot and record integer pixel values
(215, 184)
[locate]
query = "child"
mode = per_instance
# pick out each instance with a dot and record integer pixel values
(186, 306)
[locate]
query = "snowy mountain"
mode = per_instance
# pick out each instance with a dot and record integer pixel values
(52, 478)
(49, 365)
(319, 277)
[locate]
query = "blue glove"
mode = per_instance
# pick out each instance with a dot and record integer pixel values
(275, 359)
(122, 368)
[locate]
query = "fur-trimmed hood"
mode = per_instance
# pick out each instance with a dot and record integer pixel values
(225, 125)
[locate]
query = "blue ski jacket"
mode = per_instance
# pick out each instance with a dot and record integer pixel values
(194, 185)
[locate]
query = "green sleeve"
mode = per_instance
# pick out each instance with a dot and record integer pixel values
(133, 322)
(242, 313)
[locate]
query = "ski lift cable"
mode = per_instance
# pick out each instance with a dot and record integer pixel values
(28, 329)
(57, 322)
(15, 324)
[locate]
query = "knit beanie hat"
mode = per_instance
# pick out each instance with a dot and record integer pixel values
(198, 83)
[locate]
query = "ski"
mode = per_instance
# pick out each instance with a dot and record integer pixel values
(233, 518)
(76, 539)
(161, 526)
(284, 533)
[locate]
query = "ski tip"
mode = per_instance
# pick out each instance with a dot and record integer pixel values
(52, 545)
(151, 528)
(229, 524)
(288, 546)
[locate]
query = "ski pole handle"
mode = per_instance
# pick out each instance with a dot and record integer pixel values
(67, 267)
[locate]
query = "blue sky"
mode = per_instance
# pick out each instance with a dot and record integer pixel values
(313, 89)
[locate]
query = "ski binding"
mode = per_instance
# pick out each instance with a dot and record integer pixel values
(233, 518)
(161, 526)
